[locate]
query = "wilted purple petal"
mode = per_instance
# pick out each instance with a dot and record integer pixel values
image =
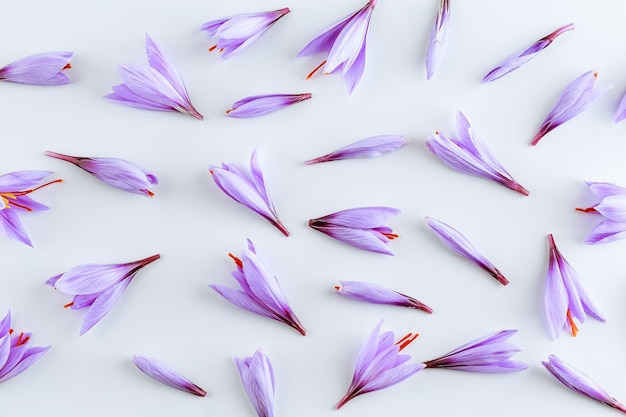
(166, 375)
(576, 97)
(39, 69)
(377, 294)
(459, 244)
(360, 227)
(364, 148)
(116, 172)
(257, 376)
(519, 58)
(256, 106)
(580, 382)
(438, 37)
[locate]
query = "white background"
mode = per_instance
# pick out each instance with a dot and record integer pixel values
(169, 312)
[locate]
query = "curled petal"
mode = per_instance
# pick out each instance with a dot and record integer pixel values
(166, 375)
(256, 106)
(438, 38)
(364, 148)
(39, 69)
(377, 294)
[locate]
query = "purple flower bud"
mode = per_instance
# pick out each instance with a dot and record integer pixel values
(438, 38)
(256, 106)
(612, 207)
(39, 69)
(257, 376)
(165, 375)
(377, 294)
(364, 148)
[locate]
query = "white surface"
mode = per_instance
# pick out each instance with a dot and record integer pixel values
(169, 312)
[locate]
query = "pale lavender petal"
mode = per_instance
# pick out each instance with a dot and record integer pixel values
(256, 106)
(39, 69)
(5, 348)
(124, 95)
(13, 226)
(555, 295)
(166, 375)
(242, 300)
(438, 37)
(5, 324)
(365, 148)
(378, 294)
(24, 202)
(361, 217)
(620, 114)
(352, 74)
(102, 305)
(613, 207)
(159, 60)
(29, 357)
(324, 40)
(392, 376)
(257, 376)
(459, 244)
(92, 278)
(362, 239)
(22, 180)
(349, 43)
(605, 189)
(607, 231)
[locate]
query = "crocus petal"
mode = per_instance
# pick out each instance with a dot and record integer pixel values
(613, 207)
(620, 114)
(166, 375)
(21, 180)
(459, 244)
(438, 37)
(580, 382)
(39, 69)
(605, 189)
(365, 148)
(30, 356)
(15, 355)
(257, 376)
(378, 294)
(13, 227)
(256, 106)
(102, 305)
(607, 231)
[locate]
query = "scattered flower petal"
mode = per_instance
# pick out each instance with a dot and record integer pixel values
(256, 106)
(576, 97)
(364, 148)
(247, 188)
(15, 355)
(116, 172)
(490, 354)
(14, 190)
(97, 286)
(519, 58)
(459, 244)
(380, 364)
(612, 206)
(621, 110)
(565, 296)
(167, 376)
(580, 382)
(156, 86)
(438, 38)
(377, 294)
(469, 154)
(237, 33)
(344, 44)
(257, 376)
(39, 69)
(259, 290)
(360, 227)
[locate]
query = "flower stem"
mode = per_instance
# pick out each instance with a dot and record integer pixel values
(72, 159)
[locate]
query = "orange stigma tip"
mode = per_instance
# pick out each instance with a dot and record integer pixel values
(337, 287)
(315, 70)
(587, 210)
(406, 340)
(572, 325)
(11, 331)
(211, 172)
(68, 305)
(436, 132)
(595, 75)
(237, 260)
(391, 236)
(67, 66)
(211, 49)
(221, 49)
(150, 193)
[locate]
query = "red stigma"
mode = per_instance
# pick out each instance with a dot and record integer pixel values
(67, 66)
(237, 260)
(68, 305)
(315, 70)
(587, 210)
(406, 340)
(391, 236)
(21, 340)
(572, 325)
(211, 49)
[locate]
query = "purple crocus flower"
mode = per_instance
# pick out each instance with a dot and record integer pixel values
(116, 172)
(576, 97)
(344, 45)
(380, 364)
(519, 58)
(377, 294)
(97, 287)
(257, 376)
(237, 33)
(459, 244)
(14, 190)
(259, 290)
(565, 297)
(580, 382)
(438, 37)
(360, 227)
(156, 86)
(15, 355)
(364, 148)
(165, 375)
(39, 69)
(612, 206)
(469, 154)
(255, 106)
(489, 354)
(247, 188)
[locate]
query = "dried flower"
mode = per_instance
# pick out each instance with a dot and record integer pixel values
(360, 227)
(39, 69)
(489, 354)
(380, 364)
(14, 190)
(459, 244)
(15, 355)
(256, 106)
(469, 154)
(259, 290)
(257, 376)
(565, 297)
(612, 206)
(237, 33)
(116, 172)
(519, 58)
(580, 382)
(344, 44)
(576, 97)
(97, 287)
(438, 38)
(166, 375)
(156, 86)
(364, 148)
(247, 188)
(377, 294)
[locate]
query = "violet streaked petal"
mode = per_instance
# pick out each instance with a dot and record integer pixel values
(361, 217)
(256, 106)
(102, 305)
(438, 38)
(92, 278)
(5, 348)
(13, 227)
(605, 189)
(257, 376)
(324, 40)
(613, 207)
(15, 355)
(459, 244)
(242, 300)
(20, 180)
(166, 375)
(30, 356)
(365, 148)
(39, 69)
(159, 60)
(378, 294)
(620, 113)
(607, 231)
(124, 95)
